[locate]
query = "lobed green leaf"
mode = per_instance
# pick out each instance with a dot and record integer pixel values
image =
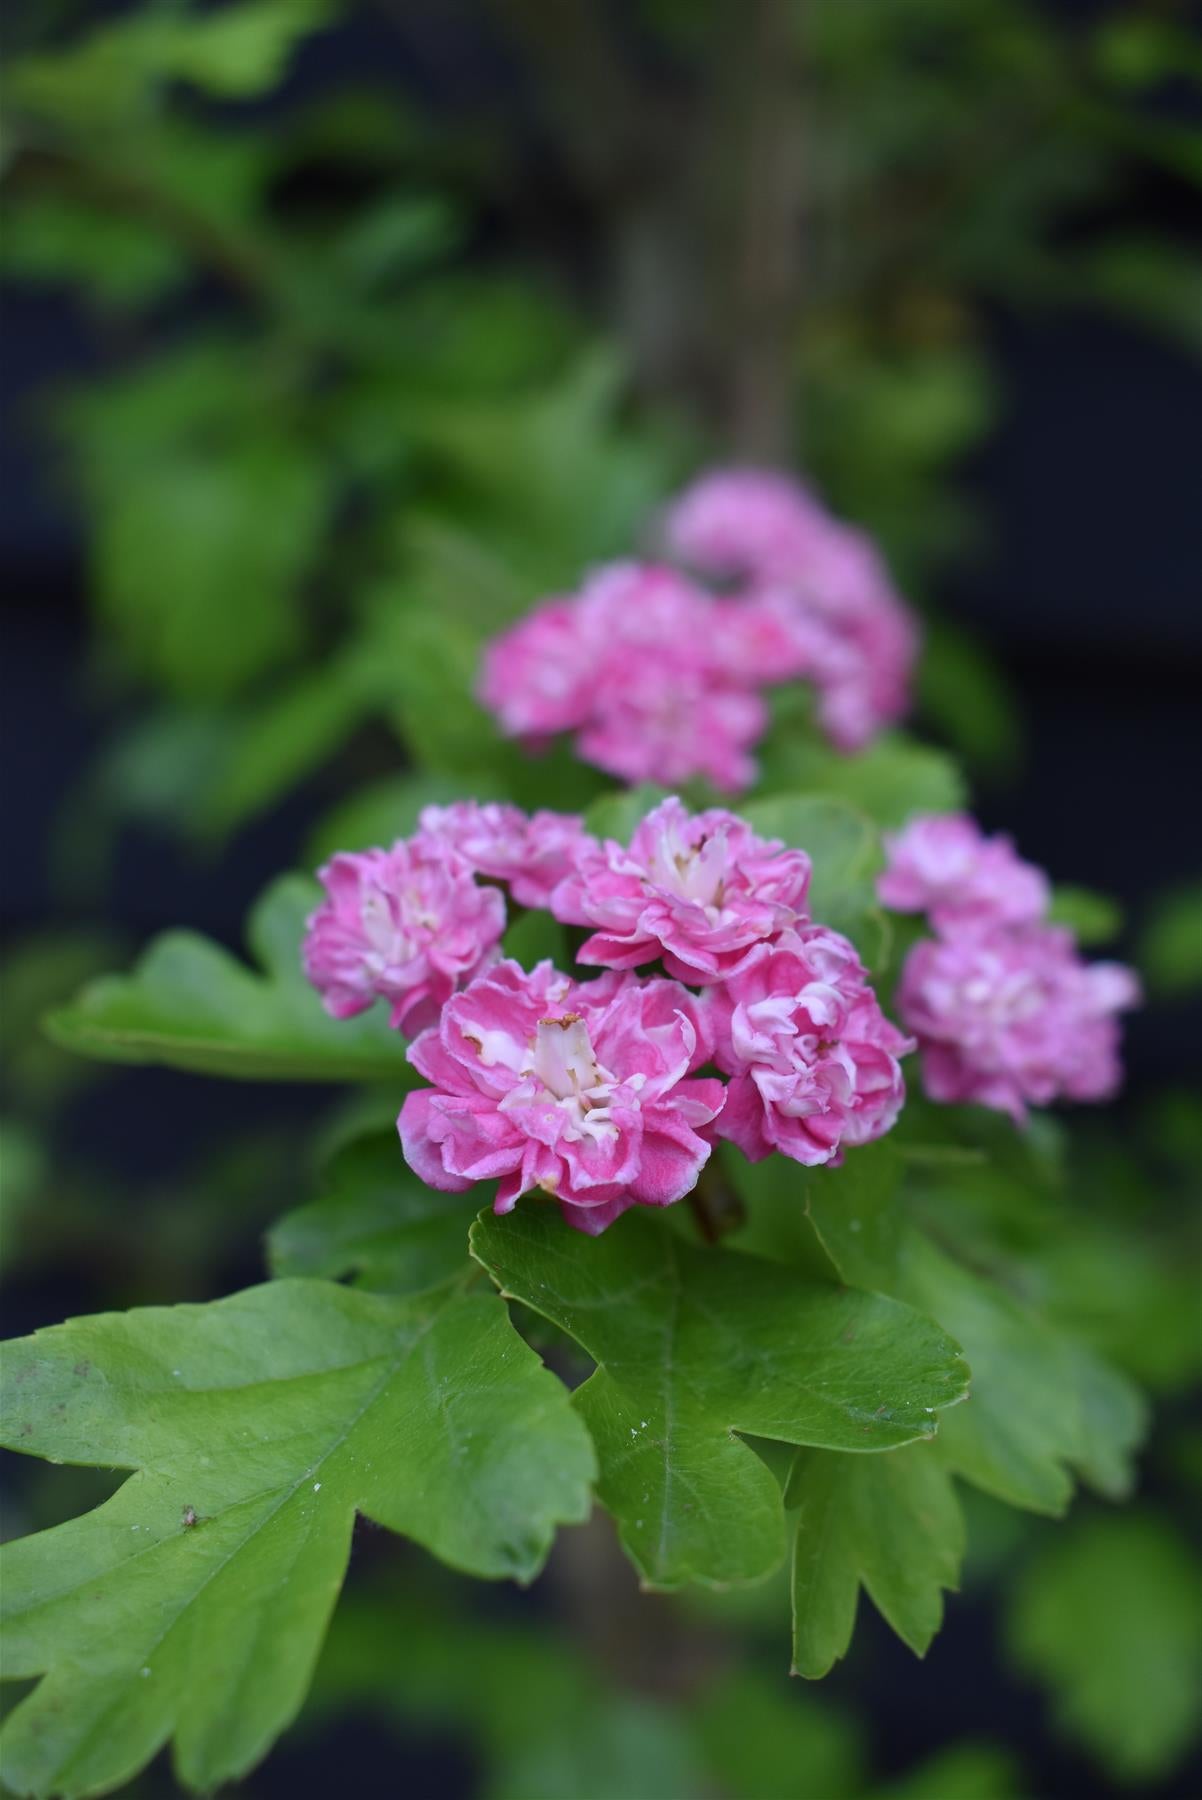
(694, 1347)
(191, 1606)
(188, 1004)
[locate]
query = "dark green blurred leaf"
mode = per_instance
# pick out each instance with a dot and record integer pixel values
(764, 1740)
(1093, 918)
(1171, 946)
(966, 697)
(199, 564)
(1109, 1618)
(376, 1222)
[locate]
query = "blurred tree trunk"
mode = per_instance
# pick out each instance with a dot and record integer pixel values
(698, 195)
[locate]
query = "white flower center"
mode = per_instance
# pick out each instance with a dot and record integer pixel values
(562, 1067)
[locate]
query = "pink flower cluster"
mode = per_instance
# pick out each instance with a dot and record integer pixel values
(412, 924)
(1005, 1011)
(662, 679)
(593, 1090)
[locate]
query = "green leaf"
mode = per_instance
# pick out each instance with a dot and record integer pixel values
(1109, 1618)
(891, 1524)
(962, 1772)
(855, 1212)
(694, 1346)
(537, 936)
(893, 779)
(279, 740)
(191, 1606)
(234, 52)
(180, 550)
(1094, 918)
(618, 815)
(375, 1221)
(1171, 948)
(962, 691)
(1041, 1403)
(766, 1739)
(191, 1005)
(845, 849)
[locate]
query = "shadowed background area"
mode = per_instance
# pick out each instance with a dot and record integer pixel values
(333, 333)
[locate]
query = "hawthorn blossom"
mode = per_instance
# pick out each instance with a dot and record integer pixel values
(531, 853)
(633, 665)
(734, 522)
(584, 1090)
(1010, 1016)
(698, 890)
(535, 677)
(819, 601)
(813, 1059)
(408, 925)
(944, 865)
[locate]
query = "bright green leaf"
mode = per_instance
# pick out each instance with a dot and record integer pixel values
(891, 1524)
(1109, 1618)
(617, 815)
(694, 1346)
(845, 850)
(889, 782)
(375, 1221)
(191, 1005)
(191, 1605)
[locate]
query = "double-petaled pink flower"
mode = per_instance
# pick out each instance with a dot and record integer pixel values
(408, 925)
(813, 598)
(814, 1062)
(1011, 1017)
(662, 680)
(944, 865)
(531, 853)
(633, 666)
(1005, 1011)
(585, 1090)
(698, 891)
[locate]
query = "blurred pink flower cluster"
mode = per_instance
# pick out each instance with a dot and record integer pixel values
(595, 1090)
(1005, 1011)
(662, 679)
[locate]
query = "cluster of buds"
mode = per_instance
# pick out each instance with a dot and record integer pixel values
(661, 677)
(722, 1010)
(1005, 1011)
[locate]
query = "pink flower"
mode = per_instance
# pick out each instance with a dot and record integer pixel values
(536, 675)
(531, 853)
(1010, 1016)
(699, 890)
(584, 1090)
(634, 665)
(744, 522)
(813, 1059)
(944, 865)
(408, 925)
(819, 598)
